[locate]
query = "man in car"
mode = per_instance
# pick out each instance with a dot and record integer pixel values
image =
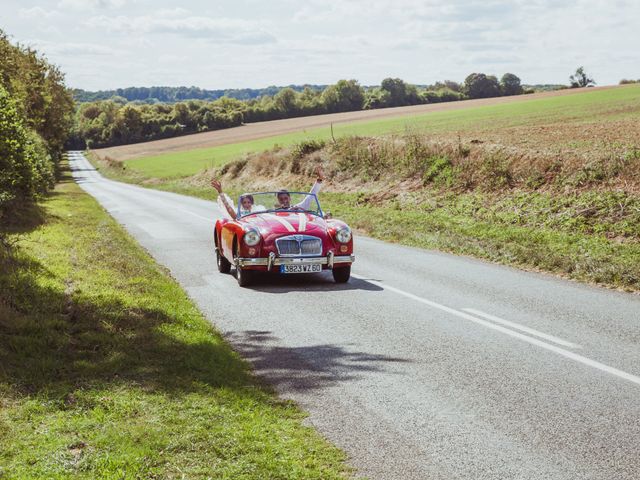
(284, 198)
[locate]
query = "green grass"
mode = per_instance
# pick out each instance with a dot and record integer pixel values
(588, 106)
(578, 236)
(107, 369)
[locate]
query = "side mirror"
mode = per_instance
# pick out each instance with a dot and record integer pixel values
(328, 216)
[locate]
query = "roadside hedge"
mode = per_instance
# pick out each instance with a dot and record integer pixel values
(26, 169)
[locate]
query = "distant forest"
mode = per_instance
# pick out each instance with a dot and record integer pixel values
(179, 94)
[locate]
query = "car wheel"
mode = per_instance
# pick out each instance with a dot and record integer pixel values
(244, 276)
(224, 266)
(341, 274)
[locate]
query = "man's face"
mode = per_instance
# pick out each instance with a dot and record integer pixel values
(284, 199)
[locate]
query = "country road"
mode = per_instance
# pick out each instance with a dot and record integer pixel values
(425, 365)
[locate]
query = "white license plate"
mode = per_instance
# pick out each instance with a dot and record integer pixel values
(304, 268)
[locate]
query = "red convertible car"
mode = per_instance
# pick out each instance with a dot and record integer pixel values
(291, 236)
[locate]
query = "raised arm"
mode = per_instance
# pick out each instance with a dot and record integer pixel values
(304, 204)
(215, 183)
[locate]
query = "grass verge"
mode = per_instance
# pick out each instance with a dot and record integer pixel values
(507, 229)
(108, 370)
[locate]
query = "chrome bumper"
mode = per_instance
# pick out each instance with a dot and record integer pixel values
(272, 260)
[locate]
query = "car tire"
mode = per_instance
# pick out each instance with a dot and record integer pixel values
(341, 274)
(244, 276)
(224, 266)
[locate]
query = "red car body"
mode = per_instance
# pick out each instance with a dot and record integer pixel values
(279, 231)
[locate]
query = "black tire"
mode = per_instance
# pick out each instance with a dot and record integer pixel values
(224, 266)
(341, 274)
(244, 276)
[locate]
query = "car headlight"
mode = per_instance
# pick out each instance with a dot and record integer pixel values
(251, 238)
(343, 235)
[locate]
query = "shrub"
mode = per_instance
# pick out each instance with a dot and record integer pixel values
(26, 169)
(439, 171)
(305, 147)
(495, 171)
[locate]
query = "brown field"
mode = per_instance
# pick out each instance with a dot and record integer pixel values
(258, 130)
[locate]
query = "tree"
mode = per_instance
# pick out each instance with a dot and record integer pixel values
(581, 79)
(376, 98)
(510, 85)
(285, 101)
(479, 85)
(397, 89)
(344, 96)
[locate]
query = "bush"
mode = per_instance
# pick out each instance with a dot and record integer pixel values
(26, 169)
(305, 147)
(439, 96)
(439, 171)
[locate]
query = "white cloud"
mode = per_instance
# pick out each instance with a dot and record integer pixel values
(37, 13)
(85, 5)
(222, 30)
(63, 49)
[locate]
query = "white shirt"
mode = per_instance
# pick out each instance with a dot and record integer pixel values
(304, 204)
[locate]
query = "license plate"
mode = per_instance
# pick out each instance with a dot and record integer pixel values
(304, 268)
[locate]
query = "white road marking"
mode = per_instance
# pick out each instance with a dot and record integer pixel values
(517, 326)
(534, 341)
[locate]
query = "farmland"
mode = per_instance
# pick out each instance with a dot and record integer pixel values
(555, 120)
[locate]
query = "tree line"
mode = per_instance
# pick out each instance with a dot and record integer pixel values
(178, 94)
(36, 115)
(116, 121)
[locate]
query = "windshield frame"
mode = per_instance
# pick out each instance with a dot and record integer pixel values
(319, 213)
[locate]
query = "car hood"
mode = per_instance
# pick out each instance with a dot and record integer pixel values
(286, 223)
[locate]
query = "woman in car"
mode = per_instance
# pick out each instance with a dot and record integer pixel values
(246, 201)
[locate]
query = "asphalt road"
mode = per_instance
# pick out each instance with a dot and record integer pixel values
(425, 365)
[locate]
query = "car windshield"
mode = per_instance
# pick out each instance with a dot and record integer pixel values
(253, 203)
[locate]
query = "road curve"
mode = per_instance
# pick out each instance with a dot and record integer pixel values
(425, 365)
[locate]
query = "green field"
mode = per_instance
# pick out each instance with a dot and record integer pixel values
(109, 371)
(598, 105)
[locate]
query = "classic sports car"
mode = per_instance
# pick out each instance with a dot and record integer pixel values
(293, 236)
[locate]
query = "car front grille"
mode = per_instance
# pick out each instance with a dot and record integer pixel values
(299, 245)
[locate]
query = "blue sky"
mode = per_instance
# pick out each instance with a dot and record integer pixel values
(103, 44)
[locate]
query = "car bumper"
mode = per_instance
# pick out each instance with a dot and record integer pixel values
(273, 261)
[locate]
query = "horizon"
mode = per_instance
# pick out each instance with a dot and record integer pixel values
(287, 86)
(106, 44)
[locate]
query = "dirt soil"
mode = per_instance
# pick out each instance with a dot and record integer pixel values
(253, 131)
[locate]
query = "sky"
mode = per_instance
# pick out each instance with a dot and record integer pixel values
(106, 44)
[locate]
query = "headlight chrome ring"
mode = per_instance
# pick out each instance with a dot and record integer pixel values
(251, 238)
(343, 235)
